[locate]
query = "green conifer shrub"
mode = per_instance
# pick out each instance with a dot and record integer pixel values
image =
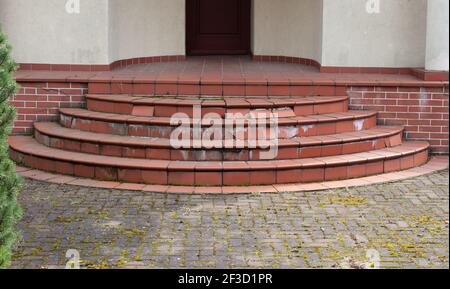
(10, 183)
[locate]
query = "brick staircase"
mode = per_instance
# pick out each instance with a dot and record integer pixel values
(125, 138)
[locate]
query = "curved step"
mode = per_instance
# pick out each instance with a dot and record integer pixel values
(55, 136)
(26, 151)
(161, 127)
(167, 106)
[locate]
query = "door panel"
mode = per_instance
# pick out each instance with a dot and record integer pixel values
(219, 17)
(218, 27)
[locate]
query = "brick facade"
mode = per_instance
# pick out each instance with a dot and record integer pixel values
(423, 111)
(40, 101)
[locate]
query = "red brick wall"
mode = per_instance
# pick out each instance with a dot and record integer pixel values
(40, 101)
(423, 111)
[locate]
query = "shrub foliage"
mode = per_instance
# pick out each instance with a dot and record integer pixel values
(9, 182)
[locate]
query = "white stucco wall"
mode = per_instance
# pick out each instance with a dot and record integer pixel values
(140, 28)
(287, 28)
(395, 37)
(437, 51)
(333, 32)
(41, 31)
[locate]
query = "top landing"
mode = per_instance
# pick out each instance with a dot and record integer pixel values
(229, 70)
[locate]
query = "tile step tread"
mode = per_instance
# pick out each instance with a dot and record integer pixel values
(54, 129)
(299, 120)
(230, 102)
(27, 145)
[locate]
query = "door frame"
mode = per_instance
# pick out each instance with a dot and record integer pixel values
(190, 32)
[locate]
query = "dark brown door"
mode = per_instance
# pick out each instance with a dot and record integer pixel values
(217, 27)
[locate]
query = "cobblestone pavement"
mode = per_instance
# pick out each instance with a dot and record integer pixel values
(406, 222)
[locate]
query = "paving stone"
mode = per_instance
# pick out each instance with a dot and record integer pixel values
(406, 221)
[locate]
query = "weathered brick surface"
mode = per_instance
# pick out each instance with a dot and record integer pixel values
(424, 111)
(40, 101)
(406, 222)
